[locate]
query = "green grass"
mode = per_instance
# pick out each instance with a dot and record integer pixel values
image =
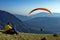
(28, 36)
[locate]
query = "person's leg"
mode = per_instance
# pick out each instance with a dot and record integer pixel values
(8, 32)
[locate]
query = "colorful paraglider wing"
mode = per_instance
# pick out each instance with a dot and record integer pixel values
(45, 9)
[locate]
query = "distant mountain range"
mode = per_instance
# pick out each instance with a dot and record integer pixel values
(32, 24)
(16, 23)
(44, 20)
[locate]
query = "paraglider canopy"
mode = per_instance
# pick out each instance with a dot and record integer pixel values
(45, 9)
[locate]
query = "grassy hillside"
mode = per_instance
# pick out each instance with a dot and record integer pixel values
(28, 36)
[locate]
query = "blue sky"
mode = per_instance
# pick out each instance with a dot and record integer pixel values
(23, 7)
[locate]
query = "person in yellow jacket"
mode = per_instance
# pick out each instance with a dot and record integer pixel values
(9, 29)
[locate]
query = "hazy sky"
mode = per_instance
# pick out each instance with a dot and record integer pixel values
(25, 6)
